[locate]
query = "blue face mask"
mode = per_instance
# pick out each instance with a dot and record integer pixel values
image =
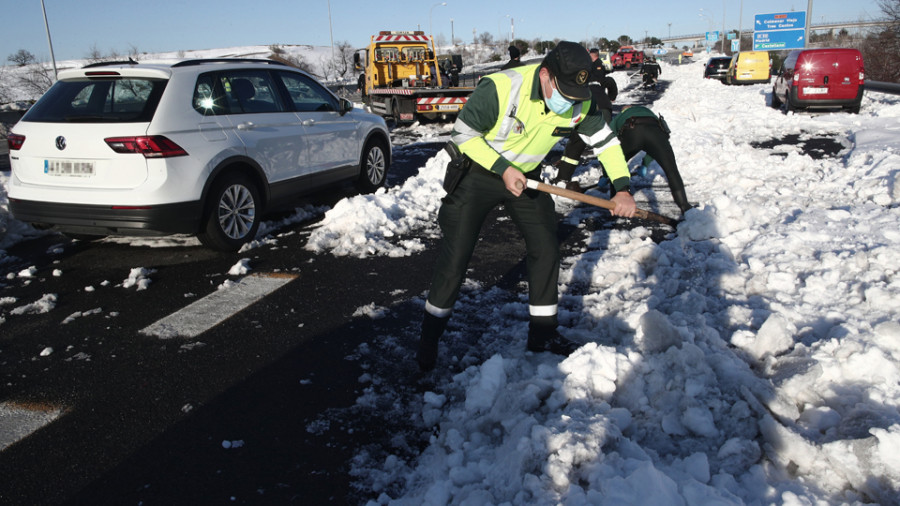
(558, 103)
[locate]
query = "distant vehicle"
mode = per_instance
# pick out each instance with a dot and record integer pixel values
(627, 57)
(200, 147)
(401, 79)
(820, 78)
(749, 67)
(717, 67)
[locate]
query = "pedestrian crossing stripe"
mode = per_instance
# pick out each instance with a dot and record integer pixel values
(18, 420)
(206, 313)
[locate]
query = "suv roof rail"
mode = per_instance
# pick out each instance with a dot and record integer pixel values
(204, 61)
(106, 63)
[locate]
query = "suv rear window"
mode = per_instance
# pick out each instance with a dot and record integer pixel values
(106, 100)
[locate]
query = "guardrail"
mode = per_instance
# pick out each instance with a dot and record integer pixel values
(893, 88)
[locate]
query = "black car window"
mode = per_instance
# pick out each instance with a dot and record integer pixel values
(236, 92)
(99, 100)
(306, 94)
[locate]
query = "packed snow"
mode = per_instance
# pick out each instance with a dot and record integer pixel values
(751, 357)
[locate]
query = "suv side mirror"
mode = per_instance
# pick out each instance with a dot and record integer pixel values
(346, 106)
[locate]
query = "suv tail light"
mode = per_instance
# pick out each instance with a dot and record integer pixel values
(15, 141)
(152, 146)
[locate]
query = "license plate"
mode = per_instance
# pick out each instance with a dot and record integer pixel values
(815, 91)
(68, 168)
(448, 107)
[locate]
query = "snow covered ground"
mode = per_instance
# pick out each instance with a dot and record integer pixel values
(749, 358)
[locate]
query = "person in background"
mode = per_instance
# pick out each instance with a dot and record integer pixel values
(514, 58)
(650, 72)
(603, 91)
(639, 129)
(601, 81)
(509, 124)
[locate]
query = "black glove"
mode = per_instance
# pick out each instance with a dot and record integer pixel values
(569, 185)
(573, 186)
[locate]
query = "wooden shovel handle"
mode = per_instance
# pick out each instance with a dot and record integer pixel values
(597, 201)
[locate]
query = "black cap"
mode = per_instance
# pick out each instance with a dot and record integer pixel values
(514, 52)
(594, 50)
(570, 64)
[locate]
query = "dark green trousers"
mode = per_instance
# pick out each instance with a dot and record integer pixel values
(461, 217)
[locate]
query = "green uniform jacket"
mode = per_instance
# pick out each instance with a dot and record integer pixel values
(505, 123)
(634, 111)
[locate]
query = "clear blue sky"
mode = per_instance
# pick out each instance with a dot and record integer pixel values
(77, 26)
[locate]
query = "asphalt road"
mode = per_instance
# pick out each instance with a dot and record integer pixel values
(4, 156)
(141, 410)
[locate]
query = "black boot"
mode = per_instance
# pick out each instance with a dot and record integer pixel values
(432, 329)
(543, 336)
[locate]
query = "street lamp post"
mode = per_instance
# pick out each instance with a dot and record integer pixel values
(723, 27)
(452, 38)
(808, 21)
(50, 42)
(331, 34)
(430, 31)
(709, 19)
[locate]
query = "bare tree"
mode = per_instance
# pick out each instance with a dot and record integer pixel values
(891, 10)
(880, 50)
(485, 38)
(294, 61)
(344, 58)
(5, 95)
(94, 54)
(133, 52)
(879, 54)
(21, 58)
(37, 80)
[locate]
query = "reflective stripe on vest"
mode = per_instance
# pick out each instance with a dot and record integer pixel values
(514, 89)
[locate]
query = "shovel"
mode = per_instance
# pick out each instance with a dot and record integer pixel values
(596, 201)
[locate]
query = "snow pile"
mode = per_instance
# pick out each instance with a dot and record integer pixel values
(751, 358)
(370, 224)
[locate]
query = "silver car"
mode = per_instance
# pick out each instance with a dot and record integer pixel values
(200, 146)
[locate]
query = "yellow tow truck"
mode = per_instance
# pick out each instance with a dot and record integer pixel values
(403, 80)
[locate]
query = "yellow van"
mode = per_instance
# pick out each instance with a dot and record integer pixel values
(749, 67)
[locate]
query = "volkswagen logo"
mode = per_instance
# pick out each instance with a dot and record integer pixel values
(60, 143)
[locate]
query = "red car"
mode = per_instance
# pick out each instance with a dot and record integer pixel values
(819, 79)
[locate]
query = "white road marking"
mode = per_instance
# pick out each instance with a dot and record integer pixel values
(217, 307)
(19, 420)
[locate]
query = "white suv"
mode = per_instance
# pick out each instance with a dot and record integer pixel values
(195, 146)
